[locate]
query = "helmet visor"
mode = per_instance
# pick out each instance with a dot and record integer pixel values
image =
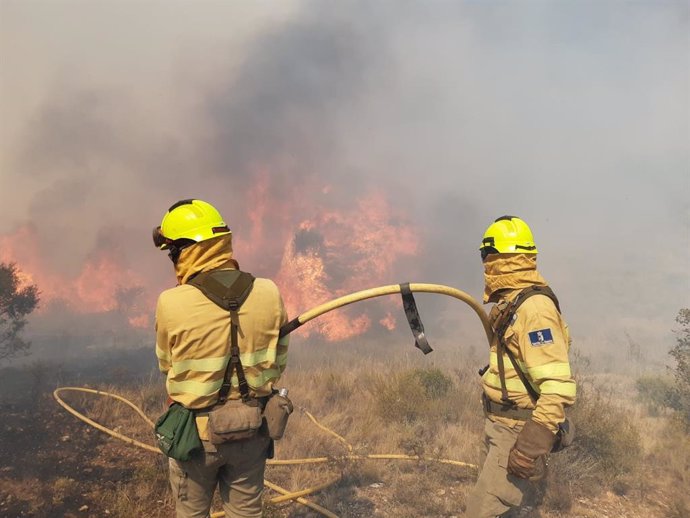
(159, 240)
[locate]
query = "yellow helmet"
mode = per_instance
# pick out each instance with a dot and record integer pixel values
(188, 222)
(508, 235)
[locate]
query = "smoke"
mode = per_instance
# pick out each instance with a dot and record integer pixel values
(449, 114)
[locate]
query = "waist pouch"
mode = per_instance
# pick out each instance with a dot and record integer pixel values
(176, 433)
(276, 413)
(234, 420)
(564, 436)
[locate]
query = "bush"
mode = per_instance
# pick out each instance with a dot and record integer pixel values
(419, 394)
(606, 452)
(435, 383)
(657, 392)
(681, 354)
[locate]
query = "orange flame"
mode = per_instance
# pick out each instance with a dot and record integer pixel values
(327, 255)
(336, 253)
(93, 290)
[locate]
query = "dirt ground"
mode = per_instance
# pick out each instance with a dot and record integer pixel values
(53, 465)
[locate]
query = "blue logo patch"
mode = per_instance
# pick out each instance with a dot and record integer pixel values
(541, 337)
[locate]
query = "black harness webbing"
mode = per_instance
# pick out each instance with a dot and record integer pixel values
(228, 289)
(414, 319)
(504, 321)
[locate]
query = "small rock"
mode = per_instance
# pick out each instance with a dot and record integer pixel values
(65, 438)
(84, 508)
(376, 485)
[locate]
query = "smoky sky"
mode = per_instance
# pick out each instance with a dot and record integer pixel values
(573, 116)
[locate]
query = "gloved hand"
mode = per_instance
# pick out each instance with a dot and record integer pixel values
(527, 458)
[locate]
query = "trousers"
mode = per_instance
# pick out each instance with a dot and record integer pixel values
(496, 492)
(237, 468)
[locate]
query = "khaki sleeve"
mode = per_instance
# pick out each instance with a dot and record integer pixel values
(543, 342)
(162, 341)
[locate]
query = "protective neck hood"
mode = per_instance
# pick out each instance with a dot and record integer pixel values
(509, 272)
(204, 256)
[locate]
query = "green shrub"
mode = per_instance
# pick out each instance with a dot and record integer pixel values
(657, 392)
(419, 394)
(435, 383)
(681, 354)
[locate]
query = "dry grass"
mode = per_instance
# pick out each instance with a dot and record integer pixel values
(625, 462)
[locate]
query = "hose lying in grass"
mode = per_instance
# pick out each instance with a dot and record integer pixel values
(298, 496)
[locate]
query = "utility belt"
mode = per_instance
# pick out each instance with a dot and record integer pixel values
(232, 420)
(509, 411)
(203, 412)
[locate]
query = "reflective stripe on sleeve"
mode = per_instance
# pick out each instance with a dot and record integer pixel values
(550, 370)
(559, 387)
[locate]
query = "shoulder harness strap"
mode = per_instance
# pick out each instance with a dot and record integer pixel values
(504, 321)
(228, 289)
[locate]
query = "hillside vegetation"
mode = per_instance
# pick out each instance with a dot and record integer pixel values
(629, 460)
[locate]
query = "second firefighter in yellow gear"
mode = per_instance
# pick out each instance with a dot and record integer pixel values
(522, 421)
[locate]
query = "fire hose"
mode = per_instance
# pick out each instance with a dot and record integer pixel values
(298, 496)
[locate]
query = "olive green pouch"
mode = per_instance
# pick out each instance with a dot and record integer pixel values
(276, 414)
(234, 420)
(176, 433)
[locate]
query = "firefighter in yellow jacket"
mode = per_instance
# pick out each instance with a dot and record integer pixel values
(192, 347)
(528, 383)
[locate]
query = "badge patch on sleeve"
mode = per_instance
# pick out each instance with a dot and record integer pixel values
(541, 337)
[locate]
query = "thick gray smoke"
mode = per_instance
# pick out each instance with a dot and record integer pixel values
(573, 116)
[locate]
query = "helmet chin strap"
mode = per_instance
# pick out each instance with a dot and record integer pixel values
(174, 253)
(175, 248)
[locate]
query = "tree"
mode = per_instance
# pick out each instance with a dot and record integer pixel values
(17, 300)
(681, 354)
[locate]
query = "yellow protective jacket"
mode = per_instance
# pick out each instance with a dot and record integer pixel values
(538, 337)
(192, 333)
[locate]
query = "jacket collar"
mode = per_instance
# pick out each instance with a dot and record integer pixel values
(506, 272)
(204, 256)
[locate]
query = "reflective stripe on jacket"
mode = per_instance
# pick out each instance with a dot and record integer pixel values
(192, 333)
(538, 338)
(192, 342)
